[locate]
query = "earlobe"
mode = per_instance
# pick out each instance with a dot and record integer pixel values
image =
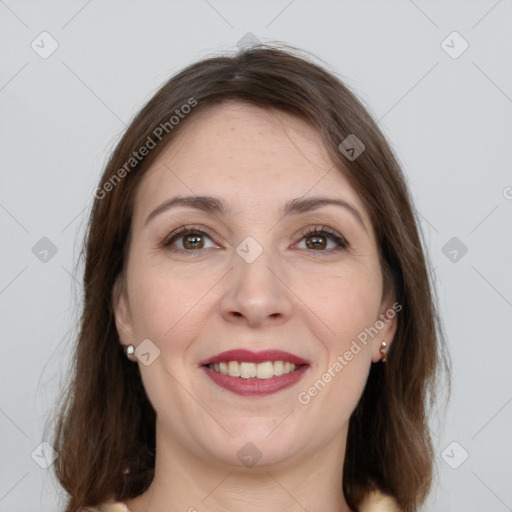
(383, 340)
(122, 312)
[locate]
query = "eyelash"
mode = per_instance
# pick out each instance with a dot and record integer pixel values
(340, 241)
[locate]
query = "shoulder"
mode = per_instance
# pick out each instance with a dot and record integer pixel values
(109, 506)
(378, 502)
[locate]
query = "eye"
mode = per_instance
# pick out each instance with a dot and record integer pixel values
(191, 240)
(316, 239)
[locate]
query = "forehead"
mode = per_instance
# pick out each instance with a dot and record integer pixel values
(250, 155)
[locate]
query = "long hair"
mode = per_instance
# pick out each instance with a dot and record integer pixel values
(105, 428)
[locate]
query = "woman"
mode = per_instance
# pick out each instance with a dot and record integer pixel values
(259, 330)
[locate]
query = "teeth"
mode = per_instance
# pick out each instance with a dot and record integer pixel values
(245, 370)
(264, 370)
(233, 369)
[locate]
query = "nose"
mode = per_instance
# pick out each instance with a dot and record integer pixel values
(257, 293)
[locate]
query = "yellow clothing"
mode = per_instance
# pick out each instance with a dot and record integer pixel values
(375, 502)
(110, 506)
(378, 502)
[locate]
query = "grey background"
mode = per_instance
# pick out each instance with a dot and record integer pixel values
(449, 121)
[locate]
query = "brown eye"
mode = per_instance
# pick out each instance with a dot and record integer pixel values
(193, 241)
(316, 241)
(186, 240)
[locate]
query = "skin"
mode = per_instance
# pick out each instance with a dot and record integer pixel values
(295, 296)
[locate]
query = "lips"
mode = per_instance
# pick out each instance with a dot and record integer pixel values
(247, 356)
(250, 385)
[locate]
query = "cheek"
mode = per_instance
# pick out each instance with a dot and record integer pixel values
(164, 301)
(346, 305)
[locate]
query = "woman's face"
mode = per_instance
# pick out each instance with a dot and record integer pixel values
(263, 274)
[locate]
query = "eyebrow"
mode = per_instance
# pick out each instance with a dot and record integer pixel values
(215, 205)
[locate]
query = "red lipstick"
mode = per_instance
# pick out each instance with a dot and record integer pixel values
(255, 386)
(247, 356)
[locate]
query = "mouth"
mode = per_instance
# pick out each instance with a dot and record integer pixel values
(257, 374)
(247, 370)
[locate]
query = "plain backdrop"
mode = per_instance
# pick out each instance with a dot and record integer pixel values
(437, 77)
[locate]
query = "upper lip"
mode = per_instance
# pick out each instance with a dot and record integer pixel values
(247, 356)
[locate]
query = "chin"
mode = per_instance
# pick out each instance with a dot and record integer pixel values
(254, 448)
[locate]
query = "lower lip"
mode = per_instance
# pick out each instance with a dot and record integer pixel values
(256, 387)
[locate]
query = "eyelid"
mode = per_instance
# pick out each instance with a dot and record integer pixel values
(183, 230)
(341, 242)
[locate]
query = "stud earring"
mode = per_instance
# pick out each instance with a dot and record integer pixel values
(384, 351)
(129, 351)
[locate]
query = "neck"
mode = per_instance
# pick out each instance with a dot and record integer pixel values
(186, 482)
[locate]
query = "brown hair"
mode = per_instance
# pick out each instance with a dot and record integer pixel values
(105, 429)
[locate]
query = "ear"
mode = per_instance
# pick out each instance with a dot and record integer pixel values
(386, 324)
(122, 313)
